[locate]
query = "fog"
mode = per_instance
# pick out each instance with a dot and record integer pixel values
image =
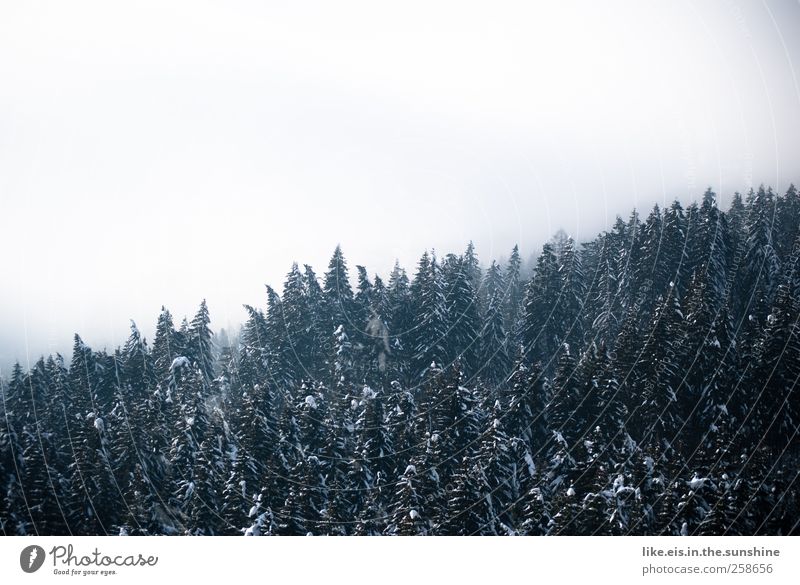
(159, 153)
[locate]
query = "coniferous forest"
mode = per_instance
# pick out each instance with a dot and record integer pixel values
(643, 382)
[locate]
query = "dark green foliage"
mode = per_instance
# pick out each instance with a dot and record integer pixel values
(644, 382)
(428, 335)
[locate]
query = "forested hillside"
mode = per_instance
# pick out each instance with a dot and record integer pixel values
(644, 382)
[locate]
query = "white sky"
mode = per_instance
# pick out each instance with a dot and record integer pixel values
(161, 152)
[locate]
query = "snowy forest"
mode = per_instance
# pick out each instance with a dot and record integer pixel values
(642, 383)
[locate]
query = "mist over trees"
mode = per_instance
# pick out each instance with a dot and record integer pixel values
(643, 382)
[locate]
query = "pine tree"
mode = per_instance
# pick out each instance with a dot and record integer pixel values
(600, 416)
(513, 295)
(542, 296)
(660, 264)
(92, 509)
(201, 498)
(709, 246)
(296, 315)
(568, 311)
(653, 391)
(786, 213)
(189, 449)
(526, 410)
(468, 512)
(536, 519)
(403, 422)
(301, 512)
(200, 345)
(463, 319)
(472, 268)
(134, 433)
(278, 358)
(494, 361)
(712, 350)
(257, 435)
(429, 335)
(657, 420)
(166, 346)
(253, 355)
(399, 321)
(409, 517)
(761, 264)
(602, 302)
(319, 327)
(338, 293)
(562, 408)
(363, 305)
(775, 372)
(496, 459)
(375, 449)
(41, 479)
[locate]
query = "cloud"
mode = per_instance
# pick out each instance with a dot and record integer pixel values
(159, 153)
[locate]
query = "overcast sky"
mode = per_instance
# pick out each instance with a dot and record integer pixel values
(162, 152)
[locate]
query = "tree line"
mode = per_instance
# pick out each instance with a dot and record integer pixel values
(643, 382)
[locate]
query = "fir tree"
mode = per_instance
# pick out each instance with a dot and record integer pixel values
(338, 292)
(429, 333)
(494, 360)
(199, 344)
(541, 299)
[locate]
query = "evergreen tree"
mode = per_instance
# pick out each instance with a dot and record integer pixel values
(775, 372)
(296, 315)
(278, 358)
(319, 327)
(657, 419)
(399, 321)
(540, 333)
(513, 295)
(338, 293)
(494, 361)
(429, 332)
(562, 408)
(526, 409)
(166, 346)
(653, 391)
(463, 319)
(409, 517)
(761, 264)
(568, 311)
(199, 343)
